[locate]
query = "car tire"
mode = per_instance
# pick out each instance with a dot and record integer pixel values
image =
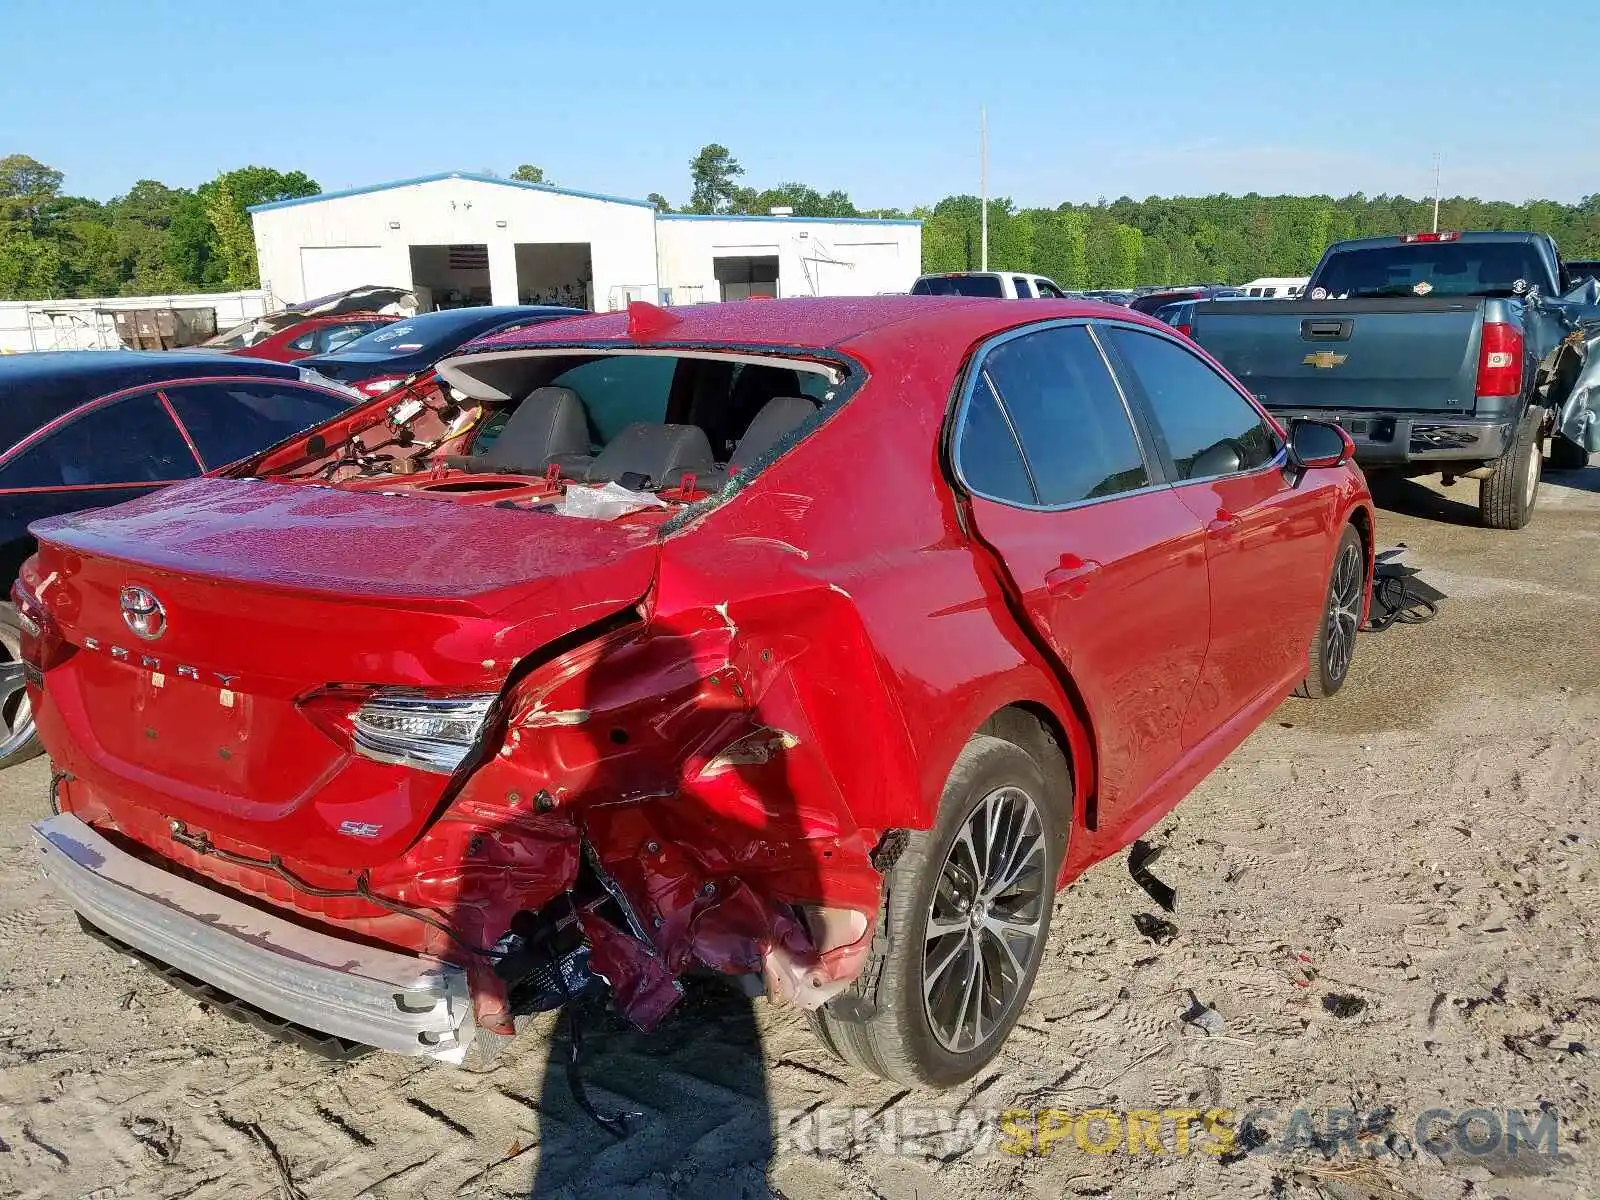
(1506, 498)
(928, 1009)
(1334, 642)
(17, 742)
(1567, 455)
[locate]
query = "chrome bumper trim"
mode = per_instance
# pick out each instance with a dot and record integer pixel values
(380, 998)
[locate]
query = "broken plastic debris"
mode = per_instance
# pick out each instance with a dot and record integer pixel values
(605, 503)
(1140, 857)
(1344, 1006)
(1203, 1017)
(1158, 929)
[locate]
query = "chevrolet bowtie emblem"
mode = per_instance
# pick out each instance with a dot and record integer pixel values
(1324, 359)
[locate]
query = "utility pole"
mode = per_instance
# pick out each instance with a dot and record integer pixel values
(1436, 191)
(983, 183)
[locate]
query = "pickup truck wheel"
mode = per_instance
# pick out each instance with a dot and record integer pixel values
(17, 743)
(1567, 455)
(966, 913)
(1333, 645)
(1506, 498)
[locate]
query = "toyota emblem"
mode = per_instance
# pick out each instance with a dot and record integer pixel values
(142, 613)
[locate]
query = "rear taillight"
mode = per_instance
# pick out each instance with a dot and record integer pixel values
(1413, 238)
(377, 387)
(428, 731)
(1500, 360)
(43, 646)
(1186, 330)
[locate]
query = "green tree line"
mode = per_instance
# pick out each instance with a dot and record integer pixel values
(1214, 239)
(152, 240)
(156, 239)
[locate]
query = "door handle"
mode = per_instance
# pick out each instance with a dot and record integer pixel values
(1072, 577)
(1224, 524)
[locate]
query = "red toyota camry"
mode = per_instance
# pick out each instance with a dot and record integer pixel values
(815, 642)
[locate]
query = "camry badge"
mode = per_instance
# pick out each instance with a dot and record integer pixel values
(142, 612)
(1324, 359)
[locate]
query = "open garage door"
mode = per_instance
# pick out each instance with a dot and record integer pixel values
(555, 273)
(740, 276)
(450, 276)
(327, 269)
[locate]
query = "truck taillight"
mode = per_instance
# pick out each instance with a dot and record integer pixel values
(1413, 238)
(1500, 360)
(1186, 330)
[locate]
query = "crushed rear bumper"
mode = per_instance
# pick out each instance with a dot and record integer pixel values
(380, 998)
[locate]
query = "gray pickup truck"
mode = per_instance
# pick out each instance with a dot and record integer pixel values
(1463, 354)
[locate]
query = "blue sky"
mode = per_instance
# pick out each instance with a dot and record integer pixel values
(880, 99)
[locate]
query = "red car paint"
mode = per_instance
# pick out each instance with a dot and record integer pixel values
(733, 703)
(279, 346)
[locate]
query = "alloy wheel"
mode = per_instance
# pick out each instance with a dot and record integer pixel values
(1344, 611)
(985, 919)
(1535, 470)
(16, 711)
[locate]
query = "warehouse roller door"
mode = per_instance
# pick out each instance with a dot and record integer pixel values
(328, 269)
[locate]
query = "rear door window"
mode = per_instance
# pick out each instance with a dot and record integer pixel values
(1024, 290)
(1446, 268)
(230, 421)
(1200, 415)
(335, 337)
(991, 461)
(959, 285)
(1078, 440)
(329, 338)
(618, 390)
(130, 441)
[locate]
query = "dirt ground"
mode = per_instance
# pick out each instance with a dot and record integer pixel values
(1388, 899)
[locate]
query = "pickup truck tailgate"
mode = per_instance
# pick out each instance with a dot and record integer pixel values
(1403, 355)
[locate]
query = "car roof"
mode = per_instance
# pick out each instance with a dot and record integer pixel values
(39, 386)
(938, 330)
(343, 318)
(489, 312)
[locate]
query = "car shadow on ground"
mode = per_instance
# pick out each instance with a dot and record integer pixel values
(1586, 480)
(693, 1094)
(1410, 498)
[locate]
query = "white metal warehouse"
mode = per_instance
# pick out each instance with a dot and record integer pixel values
(460, 238)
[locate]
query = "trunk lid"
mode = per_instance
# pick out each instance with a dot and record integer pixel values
(271, 592)
(1393, 355)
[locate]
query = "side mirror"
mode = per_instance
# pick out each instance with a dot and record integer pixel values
(1317, 444)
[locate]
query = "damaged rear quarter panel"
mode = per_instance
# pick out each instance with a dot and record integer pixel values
(815, 652)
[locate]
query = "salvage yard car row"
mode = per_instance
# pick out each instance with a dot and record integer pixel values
(370, 677)
(520, 678)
